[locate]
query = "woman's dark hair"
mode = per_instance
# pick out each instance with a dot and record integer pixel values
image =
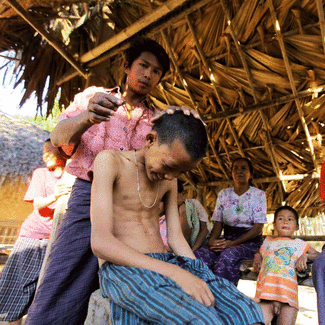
(185, 128)
(286, 207)
(143, 44)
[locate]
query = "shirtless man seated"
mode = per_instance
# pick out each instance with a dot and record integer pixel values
(145, 283)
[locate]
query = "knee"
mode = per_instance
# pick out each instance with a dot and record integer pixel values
(319, 265)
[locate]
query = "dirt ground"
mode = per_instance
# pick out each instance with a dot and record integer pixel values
(307, 314)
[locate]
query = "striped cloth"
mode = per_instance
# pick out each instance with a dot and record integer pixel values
(277, 280)
(19, 277)
(140, 296)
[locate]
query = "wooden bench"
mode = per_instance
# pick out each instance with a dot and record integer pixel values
(98, 310)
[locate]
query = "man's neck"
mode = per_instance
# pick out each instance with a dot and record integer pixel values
(132, 98)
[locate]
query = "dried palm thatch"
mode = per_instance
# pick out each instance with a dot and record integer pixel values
(254, 70)
(21, 147)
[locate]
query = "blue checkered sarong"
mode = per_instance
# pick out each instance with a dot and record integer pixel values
(140, 296)
(19, 277)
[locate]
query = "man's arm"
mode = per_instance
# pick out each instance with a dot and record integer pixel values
(99, 109)
(175, 236)
(106, 246)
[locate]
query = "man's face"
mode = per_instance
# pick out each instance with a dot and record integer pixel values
(144, 74)
(167, 161)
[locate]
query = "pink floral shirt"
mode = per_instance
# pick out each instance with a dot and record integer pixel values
(119, 133)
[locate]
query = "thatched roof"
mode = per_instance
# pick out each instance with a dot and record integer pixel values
(255, 71)
(21, 149)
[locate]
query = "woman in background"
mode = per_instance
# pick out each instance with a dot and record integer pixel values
(241, 213)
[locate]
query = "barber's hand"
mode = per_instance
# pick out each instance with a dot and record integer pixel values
(194, 286)
(61, 189)
(171, 109)
(101, 106)
(218, 245)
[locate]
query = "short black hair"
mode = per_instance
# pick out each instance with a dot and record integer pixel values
(186, 128)
(286, 207)
(142, 44)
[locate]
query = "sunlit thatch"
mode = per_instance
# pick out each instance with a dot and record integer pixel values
(21, 149)
(255, 70)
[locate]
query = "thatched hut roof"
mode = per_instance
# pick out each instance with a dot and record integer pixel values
(254, 70)
(21, 149)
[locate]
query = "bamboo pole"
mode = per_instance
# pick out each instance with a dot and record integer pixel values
(320, 10)
(291, 79)
(261, 106)
(264, 180)
(111, 48)
(157, 14)
(212, 78)
(268, 138)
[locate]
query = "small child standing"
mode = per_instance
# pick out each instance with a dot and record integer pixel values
(277, 261)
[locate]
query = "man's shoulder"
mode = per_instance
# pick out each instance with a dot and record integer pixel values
(256, 190)
(115, 157)
(41, 171)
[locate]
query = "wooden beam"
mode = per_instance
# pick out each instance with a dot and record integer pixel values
(264, 180)
(320, 10)
(268, 139)
(291, 79)
(29, 19)
(112, 48)
(212, 78)
(160, 13)
(261, 106)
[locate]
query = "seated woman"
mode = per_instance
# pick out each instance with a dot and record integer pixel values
(241, 213)
(194, 219)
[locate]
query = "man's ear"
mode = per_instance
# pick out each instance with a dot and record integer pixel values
(151, 138)
(126, 67)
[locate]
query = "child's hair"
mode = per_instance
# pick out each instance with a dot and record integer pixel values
(142, 44)
(286, 207)
(186, 128)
